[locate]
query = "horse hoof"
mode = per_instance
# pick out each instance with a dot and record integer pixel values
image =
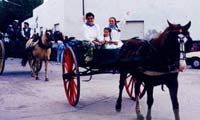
(148, 117)
(118, 108)
(37, 78)
(46, 79)
(32, 75)
(140, 117)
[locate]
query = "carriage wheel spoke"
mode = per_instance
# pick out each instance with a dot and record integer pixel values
(72, 93)
(132, 85)
(129, 83)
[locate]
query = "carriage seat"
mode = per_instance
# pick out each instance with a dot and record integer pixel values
(101, 56)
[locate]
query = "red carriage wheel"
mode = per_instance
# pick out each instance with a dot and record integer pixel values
(130, 87)
(71, 76)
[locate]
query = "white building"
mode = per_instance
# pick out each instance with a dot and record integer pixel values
(67, 16)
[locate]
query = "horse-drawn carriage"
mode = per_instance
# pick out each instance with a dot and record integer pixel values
(13, 48)
(74, 66)
(140, 64)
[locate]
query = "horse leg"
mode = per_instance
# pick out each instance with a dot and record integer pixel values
(137, 106)
(31, 67)
(173, 94)
(149, 102)
(46, 66)
(36, 68)
(121, 86)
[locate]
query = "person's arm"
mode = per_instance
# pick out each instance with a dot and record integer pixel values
(123, 20)
(98, 32)
(103, 40)
(113, 42)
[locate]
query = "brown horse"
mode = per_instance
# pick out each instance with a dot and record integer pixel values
(157, 62)
(40, 52)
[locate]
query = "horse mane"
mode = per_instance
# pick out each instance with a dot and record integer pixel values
(45, 42)
(44, 38)
(159, 40)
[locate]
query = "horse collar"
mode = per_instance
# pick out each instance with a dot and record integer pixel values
(169, 69)
(156, 73)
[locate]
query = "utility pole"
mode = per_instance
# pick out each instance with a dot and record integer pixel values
(83, 7)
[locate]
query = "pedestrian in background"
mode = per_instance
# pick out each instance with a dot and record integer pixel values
(26, 31)
(61, 47)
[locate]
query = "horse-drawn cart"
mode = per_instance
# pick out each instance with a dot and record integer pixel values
(74, 66)
(11, 48)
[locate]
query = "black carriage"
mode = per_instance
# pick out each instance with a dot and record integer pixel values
(74, 66)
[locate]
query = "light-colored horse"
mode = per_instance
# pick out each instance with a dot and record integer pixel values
(41, 51)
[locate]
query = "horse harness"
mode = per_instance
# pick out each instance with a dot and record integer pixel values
(168, 69)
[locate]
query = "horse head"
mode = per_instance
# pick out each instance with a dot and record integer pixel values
(48, 34)
(177, 42)
(47, 37)
(183, 34)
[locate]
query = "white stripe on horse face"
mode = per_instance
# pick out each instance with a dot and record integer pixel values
(182, 40)
(182, 62)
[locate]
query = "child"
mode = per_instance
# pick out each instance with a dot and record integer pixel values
(107, 40)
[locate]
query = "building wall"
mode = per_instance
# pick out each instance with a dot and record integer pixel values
(103, 10)
(68, 13)
(73, 18)
(47, 15)
(154, 13)
(132, 29)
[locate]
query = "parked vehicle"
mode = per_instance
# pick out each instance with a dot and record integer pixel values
(193, 57)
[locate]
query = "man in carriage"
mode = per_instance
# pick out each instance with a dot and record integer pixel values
(91, 33)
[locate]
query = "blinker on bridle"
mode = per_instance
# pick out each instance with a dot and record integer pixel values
(178, 30)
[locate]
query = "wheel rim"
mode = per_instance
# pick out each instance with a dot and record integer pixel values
(130, 87)
(196, 63)
(2, 57)
(71, 85)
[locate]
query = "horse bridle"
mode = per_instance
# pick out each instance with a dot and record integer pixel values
(182, 40)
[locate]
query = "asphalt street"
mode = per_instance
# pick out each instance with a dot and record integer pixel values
(24, 98)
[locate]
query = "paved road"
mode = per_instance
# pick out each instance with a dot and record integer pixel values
(24, 98)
